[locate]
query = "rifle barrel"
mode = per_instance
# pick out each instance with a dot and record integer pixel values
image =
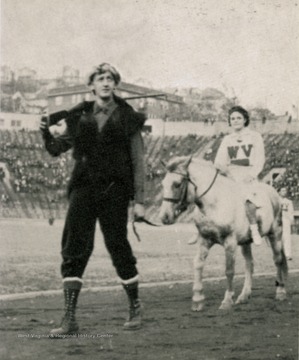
(59, 115)
(145, 96)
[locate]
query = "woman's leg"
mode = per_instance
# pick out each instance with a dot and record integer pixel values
(251, 215)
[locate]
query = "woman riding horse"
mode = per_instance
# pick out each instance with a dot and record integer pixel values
(241, 156)
(221, 219)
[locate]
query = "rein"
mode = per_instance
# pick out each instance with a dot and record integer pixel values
(139, 221)
(187, 179)
(209, 188)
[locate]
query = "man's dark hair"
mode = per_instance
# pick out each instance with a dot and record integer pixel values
(101, 69)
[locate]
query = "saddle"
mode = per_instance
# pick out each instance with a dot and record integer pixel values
(253, 193)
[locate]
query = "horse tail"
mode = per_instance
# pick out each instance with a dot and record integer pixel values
(275, 201)
(276, 206)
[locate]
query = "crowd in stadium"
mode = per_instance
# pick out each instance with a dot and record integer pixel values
(283, 153)
(32, 171)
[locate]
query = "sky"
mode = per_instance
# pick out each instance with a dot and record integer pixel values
(245, 48)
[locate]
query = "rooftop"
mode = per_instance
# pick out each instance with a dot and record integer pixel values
(134, 89)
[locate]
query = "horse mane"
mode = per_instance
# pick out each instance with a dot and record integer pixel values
(177, 162)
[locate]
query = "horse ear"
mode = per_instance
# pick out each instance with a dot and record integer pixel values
(189, 160)
(163, 164)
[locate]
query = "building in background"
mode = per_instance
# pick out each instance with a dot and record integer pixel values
(26, 74)
(169, 108)
(70, 76)
(6, 74)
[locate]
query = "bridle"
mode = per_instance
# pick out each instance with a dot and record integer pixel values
(181, 201)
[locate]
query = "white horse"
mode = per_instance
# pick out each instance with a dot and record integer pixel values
(223, 221)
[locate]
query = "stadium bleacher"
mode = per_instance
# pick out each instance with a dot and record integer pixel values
(33, 184)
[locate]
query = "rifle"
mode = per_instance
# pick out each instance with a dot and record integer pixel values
(54, 118)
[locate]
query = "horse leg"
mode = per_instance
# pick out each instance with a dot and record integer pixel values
(280, 262)
(199, 260)
(246, 291)
(230, 246)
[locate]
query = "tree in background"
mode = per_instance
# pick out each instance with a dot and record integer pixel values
(261, 114)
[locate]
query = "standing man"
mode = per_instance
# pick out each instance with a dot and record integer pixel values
(287, 220)
(109, 172)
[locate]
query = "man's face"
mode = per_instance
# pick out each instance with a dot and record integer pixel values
(103, 85)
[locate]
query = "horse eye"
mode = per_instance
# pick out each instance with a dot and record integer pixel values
(176, 185)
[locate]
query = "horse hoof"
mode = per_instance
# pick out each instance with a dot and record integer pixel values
(281, 296)
(225, 306)
(242, 299)
(197, 306)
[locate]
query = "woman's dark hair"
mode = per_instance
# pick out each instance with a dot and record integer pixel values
(240, 110)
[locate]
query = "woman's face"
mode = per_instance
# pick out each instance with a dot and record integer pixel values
(237, 121)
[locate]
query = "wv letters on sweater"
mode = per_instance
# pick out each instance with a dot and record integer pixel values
(238, 158)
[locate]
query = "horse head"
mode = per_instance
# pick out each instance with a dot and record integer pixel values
(175, 189)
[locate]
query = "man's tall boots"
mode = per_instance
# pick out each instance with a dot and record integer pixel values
(134, 319)
(68, 324)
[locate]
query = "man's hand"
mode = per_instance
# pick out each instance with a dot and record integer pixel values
(139, 212)
(43, 126)
(142, 107)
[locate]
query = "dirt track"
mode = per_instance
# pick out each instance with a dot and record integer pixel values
(262, 329)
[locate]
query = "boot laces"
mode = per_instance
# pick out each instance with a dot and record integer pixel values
(134, 310)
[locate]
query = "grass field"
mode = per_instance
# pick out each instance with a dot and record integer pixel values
(30, 256)
(262, 329)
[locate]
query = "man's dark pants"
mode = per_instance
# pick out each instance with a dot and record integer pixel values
(109, 204)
